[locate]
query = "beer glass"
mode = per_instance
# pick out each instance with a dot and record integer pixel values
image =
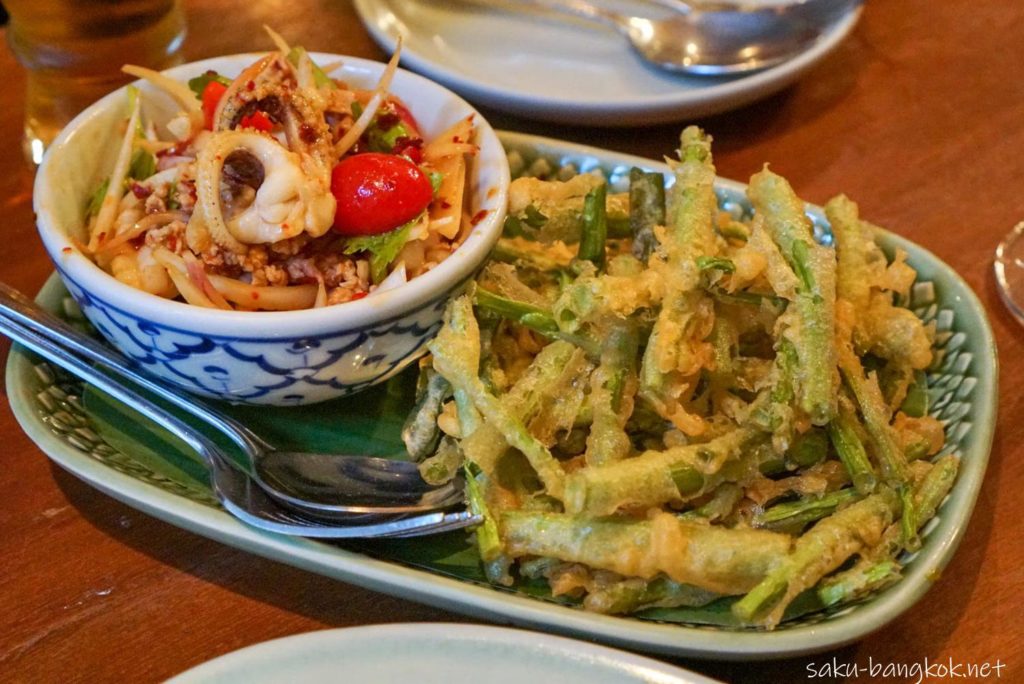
(73, 51)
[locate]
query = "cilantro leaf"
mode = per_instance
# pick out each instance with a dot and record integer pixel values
(381, 140)
(320, 78)
(436, 177)
(708, 263)
(143, 165)
(198, 84)
(96, 200)
(382, 248)
(533, 217)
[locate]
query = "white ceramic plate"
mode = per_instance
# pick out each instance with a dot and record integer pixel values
(962, 386)
(567, 72)
(432, 653)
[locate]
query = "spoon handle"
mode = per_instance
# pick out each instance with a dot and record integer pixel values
(66, 357)
(16, 307)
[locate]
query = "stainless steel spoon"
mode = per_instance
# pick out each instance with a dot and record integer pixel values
(321, 484)
(726, 38)
(233, 487)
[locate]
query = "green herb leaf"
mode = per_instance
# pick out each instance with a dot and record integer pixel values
(435, 180)
(96, 200)
(706, 263)
(198, 84)
(382, 248)
(320, 78)
(383, 140)
(172, 198)
(533, 218)
(143, 165)
(512, 228)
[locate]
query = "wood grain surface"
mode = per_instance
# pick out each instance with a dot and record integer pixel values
(919, 116)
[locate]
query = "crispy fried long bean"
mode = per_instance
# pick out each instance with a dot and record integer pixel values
(657, 477)
(646, 210)
(670, 356)
(612, 387)
(783, 217)
(726, 561)
(819, 551)
(459, 340)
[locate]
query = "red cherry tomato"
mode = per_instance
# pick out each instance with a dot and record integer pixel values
(377, 192)
(212, 93)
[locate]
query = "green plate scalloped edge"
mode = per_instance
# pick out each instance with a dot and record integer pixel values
(965, 386)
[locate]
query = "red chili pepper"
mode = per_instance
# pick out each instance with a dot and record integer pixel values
(212, 93)
(257, 120)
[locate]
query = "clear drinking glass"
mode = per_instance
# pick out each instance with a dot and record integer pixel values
(73, 51)
(1009, 267)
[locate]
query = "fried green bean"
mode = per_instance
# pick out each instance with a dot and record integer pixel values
(420, 433)
(488, 540)
(816, 553)
(506, 251)
(783, 217)
(612, 387)
(796, 514)
(458, 341)
(699, 407)
(844, 435)
(646, 210)
(533, 317)
(595, 227)
(718, 559)
(877, 568)
(631, 595)
(658, 477)
(670, 357)
(868, 395)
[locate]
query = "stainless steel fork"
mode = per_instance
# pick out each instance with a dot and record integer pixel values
(325, 485)
(238, 493)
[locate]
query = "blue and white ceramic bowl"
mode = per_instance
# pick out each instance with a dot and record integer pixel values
(276, 358)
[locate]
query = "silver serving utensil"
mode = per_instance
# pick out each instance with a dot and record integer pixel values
(239, 494)
(707, 38)
(320, 484)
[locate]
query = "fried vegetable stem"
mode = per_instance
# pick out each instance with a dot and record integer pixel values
(782, 213)
(657, 477)
(612, 387)
(843, 433)
(595, 227)
(458, 341)
(533, 317)
(794, 514)
(670, 358)
(646, 210)
(818, 552)
(718, 559)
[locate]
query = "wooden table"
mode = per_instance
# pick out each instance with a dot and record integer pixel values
(919, 116)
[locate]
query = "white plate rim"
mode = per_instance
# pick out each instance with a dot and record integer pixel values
(493, 605)
(643, 110)
(443, 634)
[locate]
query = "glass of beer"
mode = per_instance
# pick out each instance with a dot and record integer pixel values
(73, 51)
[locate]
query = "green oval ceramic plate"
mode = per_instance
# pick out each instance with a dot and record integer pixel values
(103, 443)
